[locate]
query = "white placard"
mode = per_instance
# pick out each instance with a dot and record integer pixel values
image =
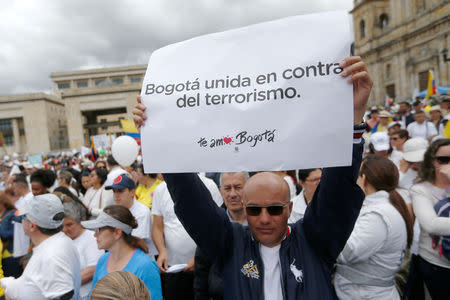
(264, 97)
(101, 141)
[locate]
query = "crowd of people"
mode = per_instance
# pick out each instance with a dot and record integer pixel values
(78, 228)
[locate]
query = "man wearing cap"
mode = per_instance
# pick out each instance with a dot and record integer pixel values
(124, 188)
(53, 271)
(436, 117)
(421, 127)
(379, 144)
(384, 120)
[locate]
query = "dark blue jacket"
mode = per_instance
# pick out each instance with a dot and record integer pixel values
(308, 252)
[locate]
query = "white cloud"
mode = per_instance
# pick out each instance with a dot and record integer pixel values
(44, 36)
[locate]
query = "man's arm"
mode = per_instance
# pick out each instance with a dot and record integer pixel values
(331, 215)
(87, 274)
(206, 223)
(158, 239)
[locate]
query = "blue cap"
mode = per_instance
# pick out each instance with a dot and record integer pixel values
(122, 182)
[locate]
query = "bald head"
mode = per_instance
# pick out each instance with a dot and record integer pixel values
(269, 184)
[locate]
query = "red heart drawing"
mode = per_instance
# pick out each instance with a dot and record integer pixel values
(227, 140)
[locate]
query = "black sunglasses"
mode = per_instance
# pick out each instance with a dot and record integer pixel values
(443, 160)
(273, 210)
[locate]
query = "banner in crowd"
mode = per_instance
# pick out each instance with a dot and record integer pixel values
(101, 141)
(264, 97)
(35, 159)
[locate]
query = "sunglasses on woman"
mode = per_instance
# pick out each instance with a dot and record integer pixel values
(273, 210)
(442, 160)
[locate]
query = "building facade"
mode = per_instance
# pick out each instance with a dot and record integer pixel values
(400, 41)
(95, 100)
(33, 123)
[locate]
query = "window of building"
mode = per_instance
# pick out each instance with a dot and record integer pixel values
(384, 21)
(362, 29)
(420, 6)
(7, 131)
(117, 80)
(423, 80)
(388, 71)
(82, 84)
(63, 85)
(390, 91)
(135, 78)
(99, 82)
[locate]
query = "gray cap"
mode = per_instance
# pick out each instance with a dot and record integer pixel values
(104, 220)
(45, 210)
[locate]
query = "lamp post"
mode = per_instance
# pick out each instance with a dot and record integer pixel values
(444, 55)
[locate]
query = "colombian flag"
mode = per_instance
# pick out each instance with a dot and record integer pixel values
(131, 130)
(431, 90)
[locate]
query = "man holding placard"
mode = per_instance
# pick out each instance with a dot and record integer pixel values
(302, 255)
(270, 259)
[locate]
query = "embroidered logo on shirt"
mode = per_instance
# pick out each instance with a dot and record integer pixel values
(298, 274)
(250, 270)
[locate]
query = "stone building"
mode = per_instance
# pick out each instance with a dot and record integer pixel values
(96, 99)
(33, 123)
(400, 40)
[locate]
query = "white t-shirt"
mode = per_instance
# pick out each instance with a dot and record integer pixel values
(53, 270)
(98, 199)
(298, 207)
(21, 242)
(86, 245)
(291, 184)
(145, 223)
(424, 130)
(180, 247)
(272, 272)
(396, 157)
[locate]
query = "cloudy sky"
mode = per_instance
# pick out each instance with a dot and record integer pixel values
(43, 36)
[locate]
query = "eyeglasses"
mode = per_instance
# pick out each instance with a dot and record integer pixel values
(442, 160)
(98, 230)
(273, 210)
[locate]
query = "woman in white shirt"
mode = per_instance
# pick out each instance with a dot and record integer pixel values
(95, 198)
(434, 186)
(374, 251)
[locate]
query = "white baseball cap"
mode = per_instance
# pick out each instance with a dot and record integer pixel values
(45, 210)
(414, 149)
(380, 141)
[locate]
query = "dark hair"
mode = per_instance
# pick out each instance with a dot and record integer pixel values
(67, 192)
(372, 149)
(427, 172)
(402, 133)
(43, 176)
(6, 201)
(303, 174)
(102, 174)
(151, 175)
(382, 174)
(111, 161)
(21, 179)
(406, 103)
(47, 231)
(83, 173)
(124, 215)
(417, 102)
